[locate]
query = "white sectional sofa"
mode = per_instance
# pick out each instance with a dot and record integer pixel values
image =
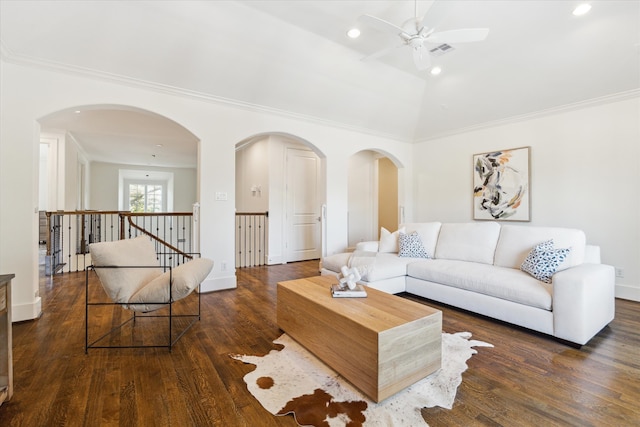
(477, 267)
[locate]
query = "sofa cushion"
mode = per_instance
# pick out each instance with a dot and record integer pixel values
(389, 240)
(505, 283)
(428, 232)
(372, 266)
(371, 246)
(184, 277)
(474, 242)
(336, 261)
(543, 261)
(410, 246)
(388, 265)
(121, 283)
(516, 241)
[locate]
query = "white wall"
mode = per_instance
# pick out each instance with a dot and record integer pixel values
(29, 93)
(43, 181)
(585, 173)
(103, 193)
(252, 172)
(69, 151)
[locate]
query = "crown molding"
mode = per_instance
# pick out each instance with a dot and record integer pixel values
(11, 57)
(620, 96)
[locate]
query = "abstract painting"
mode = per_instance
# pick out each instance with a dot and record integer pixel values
(501, 188)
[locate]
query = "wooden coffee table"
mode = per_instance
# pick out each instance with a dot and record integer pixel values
(381, 343)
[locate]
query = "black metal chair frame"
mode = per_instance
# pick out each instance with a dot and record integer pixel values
(138, 315)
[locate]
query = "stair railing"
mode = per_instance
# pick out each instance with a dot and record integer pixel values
(71, 233)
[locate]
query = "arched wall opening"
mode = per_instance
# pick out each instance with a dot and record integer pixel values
(88, 152)
(284, 175)
(92, 156)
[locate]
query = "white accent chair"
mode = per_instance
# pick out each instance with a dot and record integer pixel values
(134, 279)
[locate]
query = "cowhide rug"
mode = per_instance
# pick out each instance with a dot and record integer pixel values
(293, 381)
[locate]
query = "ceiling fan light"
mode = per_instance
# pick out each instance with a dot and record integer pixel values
(353, 33)
(582, 9)
(436, 70)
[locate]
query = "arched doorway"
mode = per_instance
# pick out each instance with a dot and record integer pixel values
(113, 158)
(91, 143)
(373, 196)
(283, 175)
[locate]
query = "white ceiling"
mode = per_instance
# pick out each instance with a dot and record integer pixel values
(294, 56)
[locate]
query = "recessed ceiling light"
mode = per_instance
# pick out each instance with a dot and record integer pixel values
(436, 70)
(582, 9)
(353, 33)
(77, 111)
(158, 145)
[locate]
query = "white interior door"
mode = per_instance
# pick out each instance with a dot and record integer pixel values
(303, 205)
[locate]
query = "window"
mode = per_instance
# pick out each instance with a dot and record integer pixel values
(145, 197)
(145, 191)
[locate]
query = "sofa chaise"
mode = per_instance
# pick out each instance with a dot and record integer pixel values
(546, 279)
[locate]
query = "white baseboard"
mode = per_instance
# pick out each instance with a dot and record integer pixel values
(219, 284)
(628, 292)
(275, 259)
(30, 311)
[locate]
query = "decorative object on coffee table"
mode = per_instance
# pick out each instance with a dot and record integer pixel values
(349, 277)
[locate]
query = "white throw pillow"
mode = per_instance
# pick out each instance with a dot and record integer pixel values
(121, 283)
(543, 261)
(185, 279)
(428, 232)
(388, 240)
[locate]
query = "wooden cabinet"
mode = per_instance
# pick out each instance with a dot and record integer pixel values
(6, 352)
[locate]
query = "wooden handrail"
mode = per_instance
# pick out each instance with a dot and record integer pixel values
(126, 213)
(156, 238)
(252, 213)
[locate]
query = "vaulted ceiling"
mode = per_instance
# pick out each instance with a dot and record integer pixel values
(295, 57)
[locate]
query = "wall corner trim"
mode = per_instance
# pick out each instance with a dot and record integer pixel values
(29, 311)
(218, 284)
(628, 292)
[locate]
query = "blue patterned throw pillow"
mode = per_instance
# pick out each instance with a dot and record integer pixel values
(543, 261)
(411, 246)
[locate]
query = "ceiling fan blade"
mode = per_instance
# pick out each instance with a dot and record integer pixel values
(459, 36)
(421, 58)
(423, 28)
(381, 24)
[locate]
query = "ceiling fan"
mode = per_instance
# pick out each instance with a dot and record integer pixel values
(414, 33)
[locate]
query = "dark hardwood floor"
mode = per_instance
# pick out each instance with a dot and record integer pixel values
(525, 380)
